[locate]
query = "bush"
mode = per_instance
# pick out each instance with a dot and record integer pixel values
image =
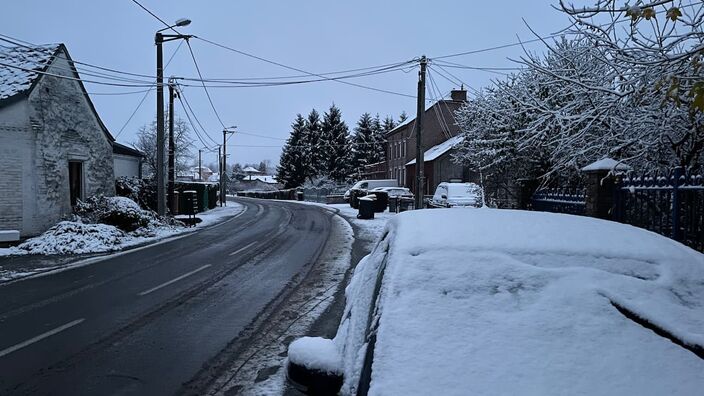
(142, 191)
(120, 212)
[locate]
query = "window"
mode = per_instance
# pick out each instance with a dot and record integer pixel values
(75, 181)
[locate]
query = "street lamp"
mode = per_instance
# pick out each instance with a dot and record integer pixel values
(159, 39)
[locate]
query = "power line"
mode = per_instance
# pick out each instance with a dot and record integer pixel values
(303, 71)
(193, 126)
(188, 105)
(155, 16)
(241, 80)
(193, 56)
(146, 94)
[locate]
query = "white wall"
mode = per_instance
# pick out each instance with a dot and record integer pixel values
(16, 158)
(126, 165)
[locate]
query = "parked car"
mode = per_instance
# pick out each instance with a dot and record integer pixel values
(450, 195)
(395, 192)
(505, 302)
(370, 184)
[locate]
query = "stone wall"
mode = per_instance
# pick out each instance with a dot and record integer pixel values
(63, 128)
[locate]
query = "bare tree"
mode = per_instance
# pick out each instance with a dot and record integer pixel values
(146, 142)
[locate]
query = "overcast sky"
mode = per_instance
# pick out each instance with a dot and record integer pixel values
(316, 36)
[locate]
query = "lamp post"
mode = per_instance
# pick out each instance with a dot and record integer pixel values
(159, 39)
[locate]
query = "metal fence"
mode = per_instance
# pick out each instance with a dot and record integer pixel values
(669, 204)
(559, 200)
(320, 194)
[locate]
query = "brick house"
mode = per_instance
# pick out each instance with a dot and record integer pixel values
(54, 149)
(438, 126)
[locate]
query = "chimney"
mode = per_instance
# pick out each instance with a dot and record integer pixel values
(459, 95)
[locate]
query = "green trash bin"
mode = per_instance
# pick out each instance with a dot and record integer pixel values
(366, 208)
(393, 204)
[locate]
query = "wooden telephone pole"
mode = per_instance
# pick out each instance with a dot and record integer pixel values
(420, 163)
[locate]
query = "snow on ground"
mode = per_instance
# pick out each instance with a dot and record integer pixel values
(75, 238)
(368, 231)
(492, 301)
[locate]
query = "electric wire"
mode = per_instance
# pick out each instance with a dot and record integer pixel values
(146, 94)
(195, 62)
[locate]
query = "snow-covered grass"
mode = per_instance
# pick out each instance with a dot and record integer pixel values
(508, 302)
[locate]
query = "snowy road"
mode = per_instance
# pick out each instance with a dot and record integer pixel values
(147, 321)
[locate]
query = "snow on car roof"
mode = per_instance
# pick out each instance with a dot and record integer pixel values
(514, 302)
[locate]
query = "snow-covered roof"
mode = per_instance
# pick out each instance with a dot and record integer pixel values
(436, 151)
(264, 178)
(249, 169)
(606, 164)
(20, 67)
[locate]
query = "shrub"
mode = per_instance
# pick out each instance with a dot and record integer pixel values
(120, 212)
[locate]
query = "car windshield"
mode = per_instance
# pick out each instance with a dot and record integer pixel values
(461, 191)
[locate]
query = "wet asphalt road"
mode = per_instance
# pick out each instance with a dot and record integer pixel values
(146, 321)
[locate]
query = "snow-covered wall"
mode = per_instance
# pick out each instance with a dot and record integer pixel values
(51, 127)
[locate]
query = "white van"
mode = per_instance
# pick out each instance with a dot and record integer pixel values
(370, 184)
(450, 195)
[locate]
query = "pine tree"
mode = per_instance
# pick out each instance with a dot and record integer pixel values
(363, 150)
(337, 153)
(312, 142)
(292, 167)
(403, 117)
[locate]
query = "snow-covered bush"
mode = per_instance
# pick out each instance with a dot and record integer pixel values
(68, 237)
(142, 191)
(120, 212)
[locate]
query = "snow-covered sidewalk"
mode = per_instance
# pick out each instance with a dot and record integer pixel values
(70, 243)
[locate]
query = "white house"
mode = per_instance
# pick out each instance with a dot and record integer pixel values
(54, 149)
(127, 161)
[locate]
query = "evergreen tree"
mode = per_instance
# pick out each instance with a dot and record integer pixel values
(363, 150)
(337, 154)
(403, 117)
(312, 151)
(292, 167)
(380, 130)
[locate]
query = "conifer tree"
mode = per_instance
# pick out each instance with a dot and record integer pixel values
(336, 148)
(363, 148)
(313, 142)
(403, 117)
(292, 167)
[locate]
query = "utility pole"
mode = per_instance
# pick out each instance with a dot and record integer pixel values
(220, 171)
(160, 196)
(172, 146)
(223, 176)
(420, 163)
(159, 39)
(200, 166)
